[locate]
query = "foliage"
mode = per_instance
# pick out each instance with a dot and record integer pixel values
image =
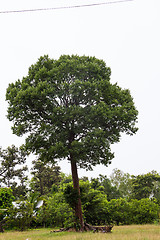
(145, 186)
(94, 201)
(156, 191)
(69, 106)
(110, 190)
(143, 211)
(45, 175)
(55, 212)
(6, 198)
(119, 211)
(118, 185)
(135, 211)
(95, 205)
(122, 182)
(71, 195)
(98, 210)
(20, 216)
(11, 172)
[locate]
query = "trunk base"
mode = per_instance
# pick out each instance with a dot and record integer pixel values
(87, 227)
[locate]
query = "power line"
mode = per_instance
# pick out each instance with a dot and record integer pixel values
(63, 7)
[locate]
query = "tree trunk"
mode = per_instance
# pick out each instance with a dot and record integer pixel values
(78, 207)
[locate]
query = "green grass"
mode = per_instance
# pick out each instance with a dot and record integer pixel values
(133, 232)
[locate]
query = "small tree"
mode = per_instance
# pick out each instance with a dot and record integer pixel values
(44, 176)
(12, 169)
(145, 186)
(122, 181)
(111, 191)
(69, 109)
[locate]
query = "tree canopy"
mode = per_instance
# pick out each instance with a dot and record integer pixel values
(69, 106)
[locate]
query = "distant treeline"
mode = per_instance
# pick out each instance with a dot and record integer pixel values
(48, 198)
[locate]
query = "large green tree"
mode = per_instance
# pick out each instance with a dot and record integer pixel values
(70, 109)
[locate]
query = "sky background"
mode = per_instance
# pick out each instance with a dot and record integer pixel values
(126, 35)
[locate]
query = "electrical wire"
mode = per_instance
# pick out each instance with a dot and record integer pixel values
(63, 7)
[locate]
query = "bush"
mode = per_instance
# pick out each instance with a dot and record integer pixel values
(134, 212)
(143, 211)
(55, 212)
(20, 216)
(119, 211)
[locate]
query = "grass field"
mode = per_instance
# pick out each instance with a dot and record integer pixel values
(136, 232)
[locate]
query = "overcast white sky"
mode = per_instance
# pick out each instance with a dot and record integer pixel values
(125, 35)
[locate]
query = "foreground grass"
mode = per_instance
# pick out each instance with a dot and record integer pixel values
(136, 232)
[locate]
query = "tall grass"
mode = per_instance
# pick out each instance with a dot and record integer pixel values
(133, 232)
